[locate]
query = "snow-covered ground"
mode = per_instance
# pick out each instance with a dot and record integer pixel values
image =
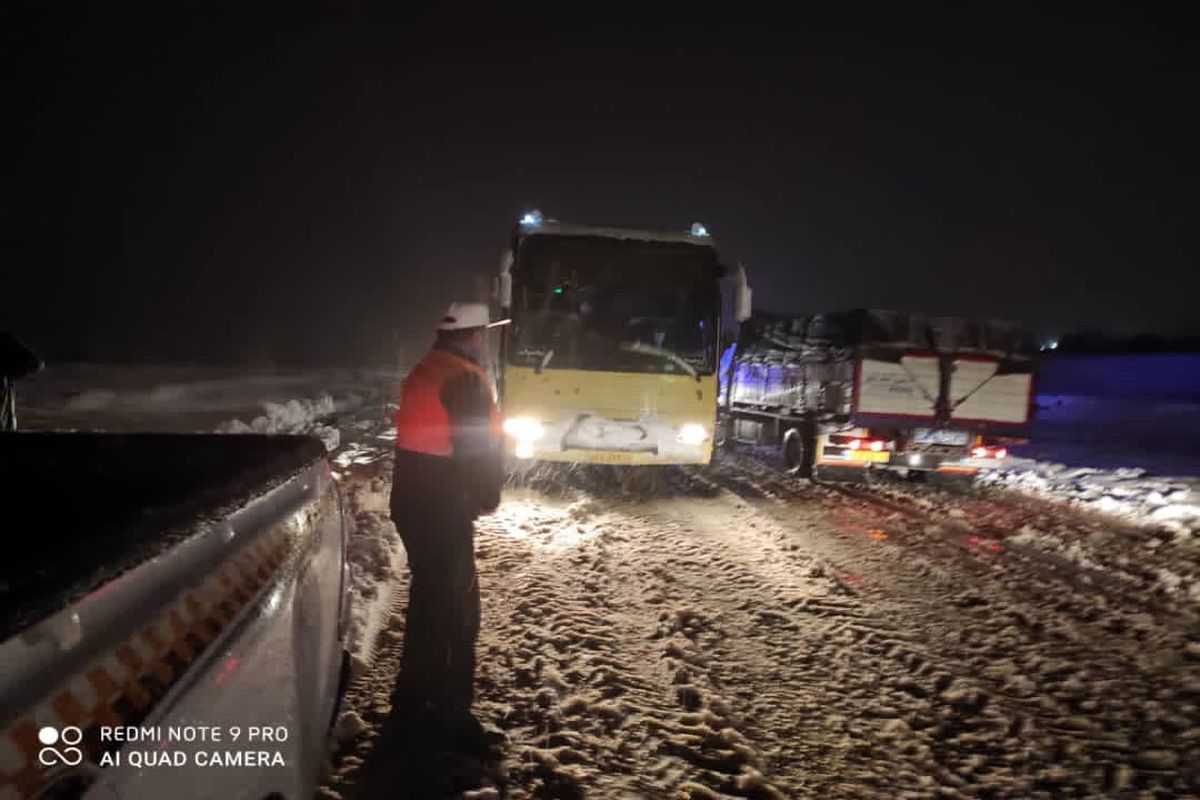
(158, 398)
(772, 639)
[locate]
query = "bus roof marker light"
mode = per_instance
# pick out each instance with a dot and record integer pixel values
(699, 230)
(531, 219)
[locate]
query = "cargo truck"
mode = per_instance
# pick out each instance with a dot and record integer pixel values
(846, 392)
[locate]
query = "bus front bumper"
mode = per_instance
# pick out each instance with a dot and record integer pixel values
(591, 439)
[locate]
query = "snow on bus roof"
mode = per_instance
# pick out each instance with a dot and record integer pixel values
(553, 227)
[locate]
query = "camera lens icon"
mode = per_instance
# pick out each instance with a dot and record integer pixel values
(69, 754)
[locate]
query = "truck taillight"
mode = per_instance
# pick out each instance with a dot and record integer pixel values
(877, 446)
(988, 452)
(1001, 452)
(854, 444)
(980, 452)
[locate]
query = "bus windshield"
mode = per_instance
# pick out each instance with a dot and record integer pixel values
(598, 303)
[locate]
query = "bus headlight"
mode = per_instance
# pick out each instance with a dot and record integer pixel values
(692, 434)
(524, 429)
(524, 450)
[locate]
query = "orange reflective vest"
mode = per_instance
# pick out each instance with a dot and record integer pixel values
(422, 423)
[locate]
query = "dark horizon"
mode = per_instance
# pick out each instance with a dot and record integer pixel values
(208, 186)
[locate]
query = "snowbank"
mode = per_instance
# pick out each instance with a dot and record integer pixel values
(294, 416)
(1171, 504)
(376, 558)
(376, 561)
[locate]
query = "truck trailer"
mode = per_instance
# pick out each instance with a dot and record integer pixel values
(845, 392)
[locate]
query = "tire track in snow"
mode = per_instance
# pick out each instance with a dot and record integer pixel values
(600, 663)
(744, 669)
(1097, 698)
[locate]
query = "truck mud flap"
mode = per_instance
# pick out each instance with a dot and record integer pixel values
(951, 480)
(826, 473)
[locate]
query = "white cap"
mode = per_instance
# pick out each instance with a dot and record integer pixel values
(460, 316)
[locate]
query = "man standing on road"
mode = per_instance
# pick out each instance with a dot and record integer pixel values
(447, 472)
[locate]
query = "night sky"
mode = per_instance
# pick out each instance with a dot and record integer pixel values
(199, 185)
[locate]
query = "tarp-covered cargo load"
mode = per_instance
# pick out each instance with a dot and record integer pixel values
(832, 334)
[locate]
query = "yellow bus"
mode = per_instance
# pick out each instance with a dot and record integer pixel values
(612, 353)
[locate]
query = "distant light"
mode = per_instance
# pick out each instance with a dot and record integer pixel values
(531, 219)
(558, 290)
(914, 459)
(1050, 344)
(699, 230)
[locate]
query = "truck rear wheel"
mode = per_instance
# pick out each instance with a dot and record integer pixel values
(798, 452)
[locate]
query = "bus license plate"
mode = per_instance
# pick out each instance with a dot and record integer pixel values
(608, 457)
(868, 455)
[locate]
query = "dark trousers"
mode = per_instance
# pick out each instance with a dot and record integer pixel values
(437, 666)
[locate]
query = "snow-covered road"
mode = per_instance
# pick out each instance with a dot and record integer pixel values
(771, 638)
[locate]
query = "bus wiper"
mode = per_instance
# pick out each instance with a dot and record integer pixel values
(662, 352)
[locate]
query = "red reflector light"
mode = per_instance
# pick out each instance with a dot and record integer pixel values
(855, 444)
(980, 452)
(876, 445)
(1001, 452)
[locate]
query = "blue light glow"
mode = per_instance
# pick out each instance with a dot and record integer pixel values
(531, 219)
(699, 230)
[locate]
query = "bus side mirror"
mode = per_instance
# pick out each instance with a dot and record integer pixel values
(742, 295)
(504, 281)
